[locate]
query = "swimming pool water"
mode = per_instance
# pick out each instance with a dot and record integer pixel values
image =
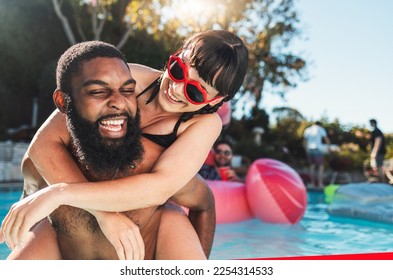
(318, 233)
(7, 198)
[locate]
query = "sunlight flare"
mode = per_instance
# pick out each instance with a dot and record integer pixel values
(199, 12)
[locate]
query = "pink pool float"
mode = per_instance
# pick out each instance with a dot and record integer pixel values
(273, 192)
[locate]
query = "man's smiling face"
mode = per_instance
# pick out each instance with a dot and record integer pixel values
(102, 115)
(104, 91)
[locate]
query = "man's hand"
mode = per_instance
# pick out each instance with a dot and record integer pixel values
(232, 176)
(123, 234)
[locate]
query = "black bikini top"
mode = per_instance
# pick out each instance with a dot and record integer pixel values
(164, 140)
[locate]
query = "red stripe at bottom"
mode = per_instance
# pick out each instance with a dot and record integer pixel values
(367, 256)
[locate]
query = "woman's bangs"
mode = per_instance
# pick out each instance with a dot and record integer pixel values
(213, 59)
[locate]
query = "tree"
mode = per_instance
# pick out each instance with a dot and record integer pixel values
(273, 66)
(267, 26)
(29, 41)
(123, 16)
(286, 135)
(156, 28)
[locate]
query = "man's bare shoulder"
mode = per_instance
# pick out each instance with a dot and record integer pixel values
(150, 156)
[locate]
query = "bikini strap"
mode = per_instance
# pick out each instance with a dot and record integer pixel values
(154, 83)
(179, 121)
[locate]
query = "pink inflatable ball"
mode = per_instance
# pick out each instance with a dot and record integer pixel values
(225, 113)
(275, 192)
(231, 201)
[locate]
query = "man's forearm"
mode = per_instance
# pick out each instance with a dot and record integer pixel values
(376, 147)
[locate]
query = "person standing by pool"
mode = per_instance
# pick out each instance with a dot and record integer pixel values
(185, 97)
(378, 150)
(313, 137)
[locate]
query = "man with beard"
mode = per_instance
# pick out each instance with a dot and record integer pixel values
(96, 92)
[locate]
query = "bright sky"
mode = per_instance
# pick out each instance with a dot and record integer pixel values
(350, 44)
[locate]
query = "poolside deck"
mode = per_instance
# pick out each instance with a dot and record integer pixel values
(11, 154)
(338, 178)
(11, 186)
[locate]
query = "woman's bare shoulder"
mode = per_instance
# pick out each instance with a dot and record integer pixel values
(211, 118)
(143, 75)
(211, 122)
(139, 70)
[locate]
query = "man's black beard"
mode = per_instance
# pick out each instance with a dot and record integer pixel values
(101, 154)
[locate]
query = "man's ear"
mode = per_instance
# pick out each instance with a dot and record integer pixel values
(59, 100)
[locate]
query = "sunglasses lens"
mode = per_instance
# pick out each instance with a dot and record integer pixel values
(194, 93)
(225, 153)
(176, 71)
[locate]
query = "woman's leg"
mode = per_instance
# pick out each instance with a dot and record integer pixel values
(177, 239)
(41, 244)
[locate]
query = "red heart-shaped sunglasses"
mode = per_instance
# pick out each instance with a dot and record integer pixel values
(193, 91)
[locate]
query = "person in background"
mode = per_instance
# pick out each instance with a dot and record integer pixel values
(378, 150)
(221, 168)
(313, 144)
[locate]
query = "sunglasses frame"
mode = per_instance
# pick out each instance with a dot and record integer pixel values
(222, 152)
(186, 80)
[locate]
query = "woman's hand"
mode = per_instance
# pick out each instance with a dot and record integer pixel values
(25, 213)
(123, 234)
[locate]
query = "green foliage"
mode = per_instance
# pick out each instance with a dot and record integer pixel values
(249, 149)
(350, 157)
(33, 37)
(29, 40)
(389, 145)
(284, 140)
(281, 142)
(140, 50)
(167, 21)
(273, 66)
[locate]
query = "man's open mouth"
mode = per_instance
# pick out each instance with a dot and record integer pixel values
(113, 127)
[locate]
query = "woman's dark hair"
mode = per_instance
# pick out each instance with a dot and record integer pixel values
(213, 51)
(222, 52)
(222, 141)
